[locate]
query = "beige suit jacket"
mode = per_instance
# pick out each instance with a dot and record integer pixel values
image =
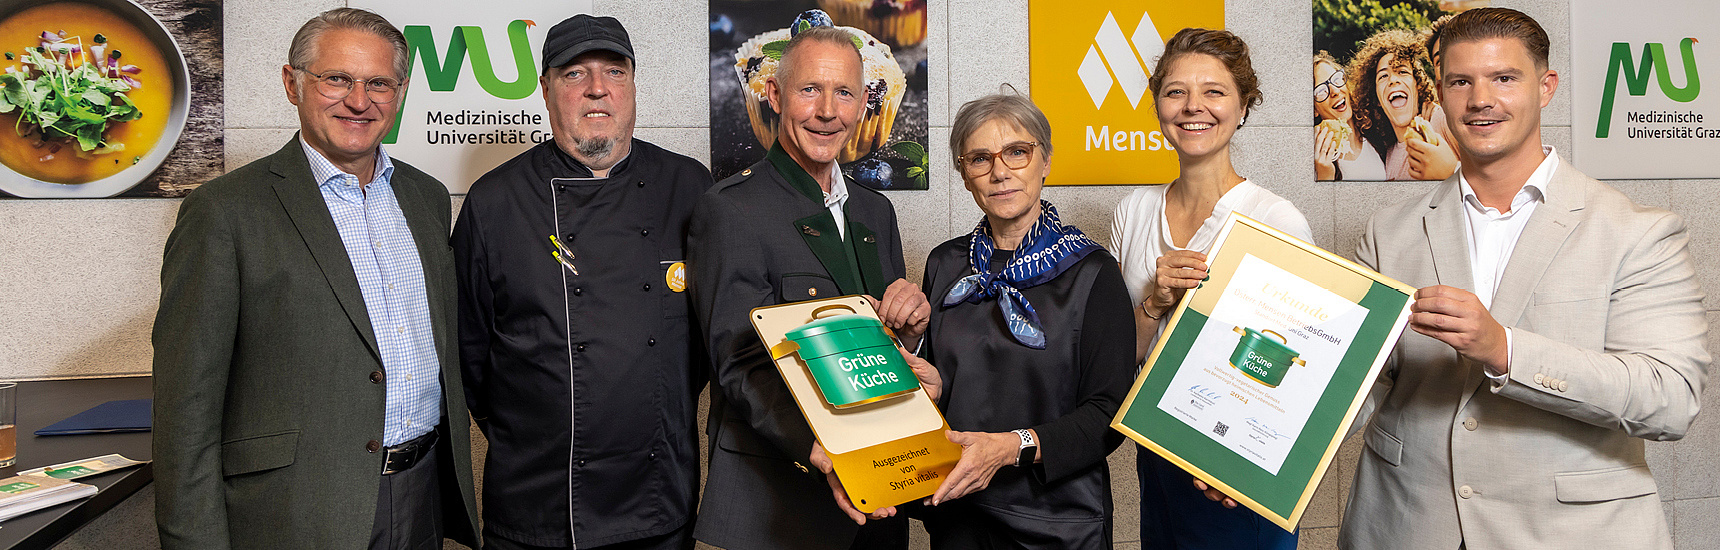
(1608, 330)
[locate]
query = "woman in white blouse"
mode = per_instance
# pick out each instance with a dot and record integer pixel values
(1204, 85)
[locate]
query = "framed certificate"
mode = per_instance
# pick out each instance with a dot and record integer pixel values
(1260, 370)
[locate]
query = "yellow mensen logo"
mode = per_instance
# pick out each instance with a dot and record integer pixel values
(1111, 52)
(1089, 65)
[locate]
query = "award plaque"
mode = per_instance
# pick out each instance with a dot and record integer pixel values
(884, 436)
(1260, 370)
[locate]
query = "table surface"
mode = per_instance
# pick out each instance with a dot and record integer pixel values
(46, 402)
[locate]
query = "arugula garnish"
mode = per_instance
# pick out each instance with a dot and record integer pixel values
(77, 103)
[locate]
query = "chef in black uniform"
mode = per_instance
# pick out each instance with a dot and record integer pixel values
(581, 366)
(1032, 333)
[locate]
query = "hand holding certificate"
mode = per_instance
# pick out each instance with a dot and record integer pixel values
(1263, 365)
(1175, 272)
(1458, 318)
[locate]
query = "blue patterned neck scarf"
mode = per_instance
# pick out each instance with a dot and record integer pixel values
(1046, 251)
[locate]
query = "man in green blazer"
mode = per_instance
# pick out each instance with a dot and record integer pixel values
(307, 391)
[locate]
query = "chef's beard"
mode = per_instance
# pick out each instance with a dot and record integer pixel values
(594, 148)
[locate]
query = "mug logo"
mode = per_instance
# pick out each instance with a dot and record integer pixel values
(1127, 64)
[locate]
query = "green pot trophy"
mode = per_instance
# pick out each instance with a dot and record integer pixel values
(852, 359)
(1261, 358)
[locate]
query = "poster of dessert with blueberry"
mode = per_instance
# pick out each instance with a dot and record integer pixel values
(886, 148)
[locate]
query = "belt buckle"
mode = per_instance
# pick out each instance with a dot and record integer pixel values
(402, 457)
(396, 460)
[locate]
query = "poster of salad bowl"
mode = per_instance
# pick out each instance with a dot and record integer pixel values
(93, 98)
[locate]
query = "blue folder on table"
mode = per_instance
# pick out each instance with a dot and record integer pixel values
(130, 415)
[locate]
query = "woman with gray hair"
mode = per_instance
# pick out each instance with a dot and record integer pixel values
(1033, 341)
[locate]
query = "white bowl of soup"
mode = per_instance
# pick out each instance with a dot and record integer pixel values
(37, 162)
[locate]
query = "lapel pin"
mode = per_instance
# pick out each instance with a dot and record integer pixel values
(807, 229)
(746, 172)
(812, 291)
(870, 239)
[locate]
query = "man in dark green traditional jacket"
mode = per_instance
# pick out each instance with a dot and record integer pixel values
(789, 229)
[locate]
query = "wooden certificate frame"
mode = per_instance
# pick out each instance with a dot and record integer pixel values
(1259, 371)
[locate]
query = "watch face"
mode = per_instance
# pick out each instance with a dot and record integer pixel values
(1029, 447)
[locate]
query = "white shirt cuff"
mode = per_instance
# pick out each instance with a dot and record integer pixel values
(1500, 380)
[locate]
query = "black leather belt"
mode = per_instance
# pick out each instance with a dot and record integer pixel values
(403, 456)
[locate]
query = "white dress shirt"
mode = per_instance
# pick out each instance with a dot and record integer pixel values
(1493, 235)
(836, 198)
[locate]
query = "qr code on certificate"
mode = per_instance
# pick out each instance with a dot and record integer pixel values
(1220, 429)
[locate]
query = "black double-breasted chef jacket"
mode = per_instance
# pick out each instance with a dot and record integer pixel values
(585, 383)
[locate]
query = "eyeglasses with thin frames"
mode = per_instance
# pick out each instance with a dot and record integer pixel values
(1015, 156)
(1332, 84)
(338, 85)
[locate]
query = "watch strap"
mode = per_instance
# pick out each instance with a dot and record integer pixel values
(1029, 448)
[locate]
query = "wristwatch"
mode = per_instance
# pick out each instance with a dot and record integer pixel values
(1029, 448)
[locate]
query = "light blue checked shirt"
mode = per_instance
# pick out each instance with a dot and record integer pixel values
(385, 257)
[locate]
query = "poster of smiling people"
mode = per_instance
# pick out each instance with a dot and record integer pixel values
(1376, 116)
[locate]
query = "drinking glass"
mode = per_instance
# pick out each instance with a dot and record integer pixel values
(8, 423)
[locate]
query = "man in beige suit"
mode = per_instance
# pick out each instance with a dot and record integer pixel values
(1557, 326)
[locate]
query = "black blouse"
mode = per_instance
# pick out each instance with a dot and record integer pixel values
(1067, 393)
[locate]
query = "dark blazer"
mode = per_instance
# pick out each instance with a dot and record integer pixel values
(756, 240)
(268, 401)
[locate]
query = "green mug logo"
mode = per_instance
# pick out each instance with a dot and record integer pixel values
(1261, 358)
(1636, 77)
(852, 359)
(442, 75)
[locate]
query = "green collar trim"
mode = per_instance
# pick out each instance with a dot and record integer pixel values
(864, 243)
(853, 264)
(796, 176)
